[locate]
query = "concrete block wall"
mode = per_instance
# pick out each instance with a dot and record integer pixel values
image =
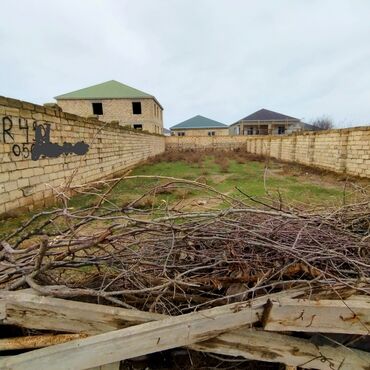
(25, 183)
(345, 151)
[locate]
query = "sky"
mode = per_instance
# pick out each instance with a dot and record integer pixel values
(223, 59)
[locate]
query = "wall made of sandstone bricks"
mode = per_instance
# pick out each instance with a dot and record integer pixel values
(345, 151)
(305, 148)
(275, 147)
(357, 160)
(204, 142)
(25, 183)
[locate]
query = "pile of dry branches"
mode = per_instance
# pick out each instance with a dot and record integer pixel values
(173, 261)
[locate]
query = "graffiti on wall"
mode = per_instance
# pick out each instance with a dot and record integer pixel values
(32, 140)
(9, 127)
(43, 145)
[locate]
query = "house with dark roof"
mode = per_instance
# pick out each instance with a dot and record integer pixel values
(267, 122)
(114, 101)
(200, 126)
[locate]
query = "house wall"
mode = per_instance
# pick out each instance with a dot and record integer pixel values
(271, 126)
(344, 151)
(120, 110)
(25, 183)
(201, 132)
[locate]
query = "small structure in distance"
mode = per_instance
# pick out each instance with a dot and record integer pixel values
(200, 126)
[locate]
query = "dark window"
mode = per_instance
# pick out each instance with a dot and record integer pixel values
(138, 127)
(281, 130)
(181, 134)
(250, 131)
(211, 133)
(97, 108)
(136, 108)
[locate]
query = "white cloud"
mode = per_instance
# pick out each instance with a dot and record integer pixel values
(221, 58)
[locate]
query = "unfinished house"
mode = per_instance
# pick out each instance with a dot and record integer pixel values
(114, 101)
(200, 126)
(267, 122)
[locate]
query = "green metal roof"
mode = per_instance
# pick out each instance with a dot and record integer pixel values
(198, 122)
(106, 90)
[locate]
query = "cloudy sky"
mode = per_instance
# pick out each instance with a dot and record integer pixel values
(223, 59)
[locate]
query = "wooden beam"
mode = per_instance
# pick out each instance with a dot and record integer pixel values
(140, 339)
(355, 297)
(36, 341)
(2, 310)
(275, 347)
(113, 366)
(35, 312)
(184, 330)
(325, 316)
(47, 313)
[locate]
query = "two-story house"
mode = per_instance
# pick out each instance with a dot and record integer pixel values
(114, 101)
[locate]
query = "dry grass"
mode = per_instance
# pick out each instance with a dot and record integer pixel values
(188, 156)
(221, 157)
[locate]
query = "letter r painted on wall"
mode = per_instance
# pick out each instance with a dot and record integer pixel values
(7, 130)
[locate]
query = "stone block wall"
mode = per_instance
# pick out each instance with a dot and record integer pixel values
(26, 183)
(204, 142)
(288, 148)
(305, 148)
(275, 147)
(357, 152)
(345, 151)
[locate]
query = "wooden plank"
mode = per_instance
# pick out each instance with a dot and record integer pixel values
(35, 312)
(36, 341)
(275, 347)
(355, 297)
(325, 316)
(2, 310)
(189, 329)
(113, 366)
(140, 339)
